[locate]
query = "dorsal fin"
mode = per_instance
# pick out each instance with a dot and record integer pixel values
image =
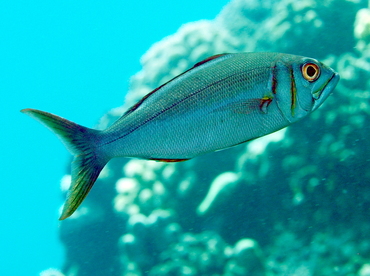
(136, 106)
(207, 59)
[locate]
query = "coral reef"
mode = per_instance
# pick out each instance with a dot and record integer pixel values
(293, 203)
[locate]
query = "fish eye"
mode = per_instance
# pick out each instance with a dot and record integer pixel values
(310, 71)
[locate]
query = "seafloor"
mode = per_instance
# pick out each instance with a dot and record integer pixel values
(293, 203)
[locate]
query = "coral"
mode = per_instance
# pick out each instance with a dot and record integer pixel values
(51, 272)
(201, 254)
(292, 203)
(246, 259)
(220, 189)
(362, 25)
(365, 270)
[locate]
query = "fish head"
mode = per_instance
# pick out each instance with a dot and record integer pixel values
(302, 85)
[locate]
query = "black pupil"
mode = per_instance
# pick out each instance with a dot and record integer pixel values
(311, 71)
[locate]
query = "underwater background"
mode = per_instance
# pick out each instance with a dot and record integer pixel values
(292, 203)
(73, 58)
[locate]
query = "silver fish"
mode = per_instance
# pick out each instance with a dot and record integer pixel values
(221, 102)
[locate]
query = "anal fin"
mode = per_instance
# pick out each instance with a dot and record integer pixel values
(167, 160)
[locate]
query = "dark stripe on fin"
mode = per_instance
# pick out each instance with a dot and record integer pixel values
(264, 104)
(167, 160)
(82, 143)
(208, 59)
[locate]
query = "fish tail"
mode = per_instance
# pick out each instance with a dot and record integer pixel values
(82, 142)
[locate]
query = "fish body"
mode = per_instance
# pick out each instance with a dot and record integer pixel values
(221, 102)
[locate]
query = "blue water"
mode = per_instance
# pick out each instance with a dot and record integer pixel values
(74, 59)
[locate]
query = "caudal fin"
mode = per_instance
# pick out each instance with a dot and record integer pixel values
(82, 142)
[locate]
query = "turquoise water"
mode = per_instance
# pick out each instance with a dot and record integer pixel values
(294, 203)
(74, 59)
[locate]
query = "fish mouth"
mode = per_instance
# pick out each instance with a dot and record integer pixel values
(325, 90)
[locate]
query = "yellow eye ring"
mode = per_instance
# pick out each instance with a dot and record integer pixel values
(310, 71)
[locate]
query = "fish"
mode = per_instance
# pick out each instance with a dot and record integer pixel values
(220, 102)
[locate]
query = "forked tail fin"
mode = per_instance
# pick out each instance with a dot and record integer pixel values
(82, 142)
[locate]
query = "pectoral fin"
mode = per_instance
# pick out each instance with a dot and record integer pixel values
(264, 104)
(248, 106)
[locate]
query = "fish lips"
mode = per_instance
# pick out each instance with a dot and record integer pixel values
(321, 94)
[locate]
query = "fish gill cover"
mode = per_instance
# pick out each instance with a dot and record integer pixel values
(293, 203)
